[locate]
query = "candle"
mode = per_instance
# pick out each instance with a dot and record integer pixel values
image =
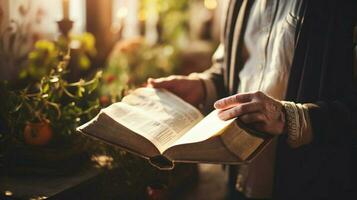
(65, 7)
(152, 18)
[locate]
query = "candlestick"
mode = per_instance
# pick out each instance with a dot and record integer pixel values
(65, 25)
(65, 7)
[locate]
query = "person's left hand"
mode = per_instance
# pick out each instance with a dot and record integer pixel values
(258, 110)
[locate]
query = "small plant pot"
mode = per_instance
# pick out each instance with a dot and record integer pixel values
(38, 133)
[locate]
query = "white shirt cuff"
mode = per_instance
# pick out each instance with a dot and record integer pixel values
(298, 124)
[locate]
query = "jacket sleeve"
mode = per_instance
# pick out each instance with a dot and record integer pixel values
(334, 122)
(334, 119)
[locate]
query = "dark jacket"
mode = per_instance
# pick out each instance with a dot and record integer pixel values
(322, 75)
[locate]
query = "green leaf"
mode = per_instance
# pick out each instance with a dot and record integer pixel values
(45, 45)
(84, 62)
(23, 74)
(45, 88)
(80, 91)
(54, 79)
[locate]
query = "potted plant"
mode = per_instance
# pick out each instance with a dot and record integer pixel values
(41, 119)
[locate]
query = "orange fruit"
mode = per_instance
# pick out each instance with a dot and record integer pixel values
(38, 134)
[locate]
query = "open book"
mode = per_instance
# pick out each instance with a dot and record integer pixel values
(157, 125)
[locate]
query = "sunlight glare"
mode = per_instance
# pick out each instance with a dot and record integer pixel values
(210, 4)
(122, 12)
(8, 193)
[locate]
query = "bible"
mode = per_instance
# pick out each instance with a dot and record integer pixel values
(159, 126)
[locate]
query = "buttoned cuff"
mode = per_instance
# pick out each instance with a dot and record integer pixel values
(210, 91)
(298, 124)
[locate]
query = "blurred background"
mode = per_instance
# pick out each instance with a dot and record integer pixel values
(175, 30)
(61, 61)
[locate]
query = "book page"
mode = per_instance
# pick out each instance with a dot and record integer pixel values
(157, 115)
(105, 128)
(210, 126)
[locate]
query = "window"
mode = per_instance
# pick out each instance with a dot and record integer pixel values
(125, 16)
(43, 14)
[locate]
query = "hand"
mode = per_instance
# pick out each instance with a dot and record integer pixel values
(189, 89)
(258, 110)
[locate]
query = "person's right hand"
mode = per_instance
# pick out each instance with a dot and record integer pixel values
(188, 88)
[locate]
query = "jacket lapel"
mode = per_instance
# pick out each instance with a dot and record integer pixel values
(233, 9)
(236, 61)
(238, 13)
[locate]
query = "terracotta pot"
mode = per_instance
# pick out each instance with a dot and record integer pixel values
(38, 134)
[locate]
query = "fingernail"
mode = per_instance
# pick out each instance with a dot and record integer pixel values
(217, 104)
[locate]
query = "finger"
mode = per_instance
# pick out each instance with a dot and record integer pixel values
(164, 83)
(252, 118)
(150, 81)
(239, 110)
(233, 100)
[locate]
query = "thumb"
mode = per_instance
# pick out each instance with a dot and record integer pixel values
(150, 82)
(160, 83)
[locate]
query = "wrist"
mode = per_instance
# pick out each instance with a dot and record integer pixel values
(198, 86)
(203, 92)
(209, 94)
